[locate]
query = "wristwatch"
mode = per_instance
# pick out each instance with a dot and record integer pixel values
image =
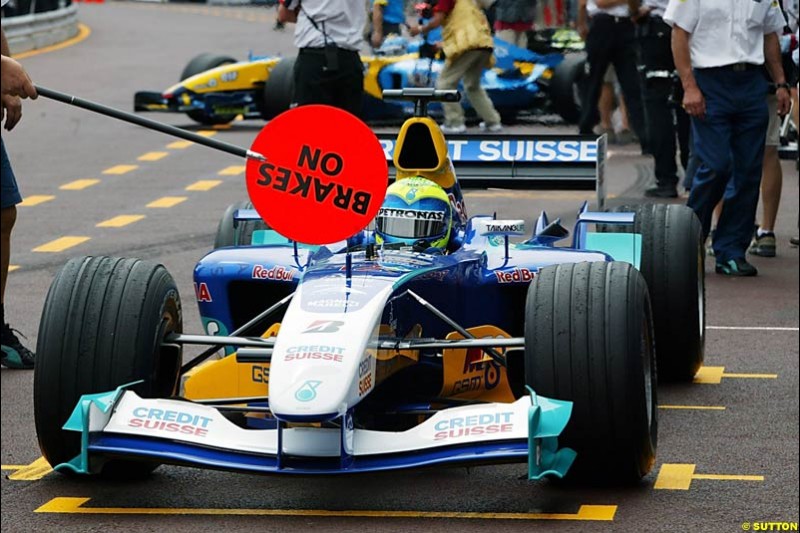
(782, 86)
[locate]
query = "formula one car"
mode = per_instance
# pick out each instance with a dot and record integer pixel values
(366, 355)
(214, 89)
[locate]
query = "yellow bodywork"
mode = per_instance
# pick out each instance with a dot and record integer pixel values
(234, 77)
(441, 170)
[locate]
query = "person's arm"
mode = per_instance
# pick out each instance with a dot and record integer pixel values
(432, 24)
(377, 25)
(582, 20)
(13, 78)
(772, 55)
(605, 4)
(287, 13)
(693, 101)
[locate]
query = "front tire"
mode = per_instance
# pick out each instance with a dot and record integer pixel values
(240, 234)
(279, 89)
(589, 340)
(567, 85)
(202, 63)
(103, 323)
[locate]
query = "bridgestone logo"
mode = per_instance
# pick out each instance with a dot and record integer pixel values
(411, 213)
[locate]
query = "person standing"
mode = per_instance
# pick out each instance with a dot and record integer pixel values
(14, 85)
(719, 47)
(607, 28)
(665, 123)
(328, 69)
(387, 16)
(467, 44)
(513, 20)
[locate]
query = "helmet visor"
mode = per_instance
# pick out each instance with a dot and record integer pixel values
(410, 223)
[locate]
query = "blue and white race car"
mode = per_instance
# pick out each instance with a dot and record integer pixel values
(403, 346)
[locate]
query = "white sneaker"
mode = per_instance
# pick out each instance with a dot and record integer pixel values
(453, 129)
(494, 128)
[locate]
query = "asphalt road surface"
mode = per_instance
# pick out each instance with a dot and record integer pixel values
(728, 445)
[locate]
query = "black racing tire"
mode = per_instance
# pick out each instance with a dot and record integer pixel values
(567, 87)
(589, 340)
(278, 90)
(242, 234)
(102, 326)
(202, 63)
(673, 263)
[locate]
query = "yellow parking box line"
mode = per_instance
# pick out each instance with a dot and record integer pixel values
(233, 170)
(120, 169)
(61, 244)
(35, 199)
(203, 185)
(675, 477)
(152, 156)
(12, 268)
(76, 506)
(709, 374)
(692, 407)
(750, 376)
(221, 126)
(728, 477)
(120, 221)
(167, 201)
(179, 145)
(12, 467)
(36, 470)
(207, 133)
(79, 185)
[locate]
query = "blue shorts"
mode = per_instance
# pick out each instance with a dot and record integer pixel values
(9, 193)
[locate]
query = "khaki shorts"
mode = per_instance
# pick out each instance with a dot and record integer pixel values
(774, 128)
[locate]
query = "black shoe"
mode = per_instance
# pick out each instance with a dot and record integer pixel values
(15, 355)
(662, 191)
(736, 267)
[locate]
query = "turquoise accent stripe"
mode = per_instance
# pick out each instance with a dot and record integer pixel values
(268, 237)
(79, 421)
(625, 247)
(547, 418)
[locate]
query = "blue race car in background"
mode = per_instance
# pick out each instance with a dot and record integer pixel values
(215, 89)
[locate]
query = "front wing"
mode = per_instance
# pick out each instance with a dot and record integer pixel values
(121, 424)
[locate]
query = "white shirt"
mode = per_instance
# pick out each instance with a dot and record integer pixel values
(725, 32)
(657, 7)
(342, 21)
(616, 11)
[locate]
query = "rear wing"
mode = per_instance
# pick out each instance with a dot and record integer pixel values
(536, 162)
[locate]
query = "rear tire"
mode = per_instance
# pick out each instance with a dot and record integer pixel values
(673, 263)
(242, 234)
(202, 63)
(102, 326)
(567, 85)
(589, 340)
(279, 89)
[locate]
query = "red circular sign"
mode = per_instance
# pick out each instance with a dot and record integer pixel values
(324, 178)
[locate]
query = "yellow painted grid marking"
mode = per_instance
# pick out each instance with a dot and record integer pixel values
(61, 244)
(12, 467)
(79, 185)
(75, 505)
(714, 375)
(680, 476)
(35, 199)
(120, 169)
(120, 221)
(221, 126)
(203, 185)
(207, 133)
(83, 32)
(152, 156)
(167, 201)
(233, 170)
(697, 407)
(179, 145)
(36, 470)
(12, 268)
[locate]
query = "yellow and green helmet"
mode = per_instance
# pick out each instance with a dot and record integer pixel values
(416, 212)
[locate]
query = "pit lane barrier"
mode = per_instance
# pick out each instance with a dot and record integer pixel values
(30, 32)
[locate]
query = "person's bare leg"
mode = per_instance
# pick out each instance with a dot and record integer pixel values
(771, 185)
(7, 219)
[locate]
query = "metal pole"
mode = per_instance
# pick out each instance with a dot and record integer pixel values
(148, 123)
